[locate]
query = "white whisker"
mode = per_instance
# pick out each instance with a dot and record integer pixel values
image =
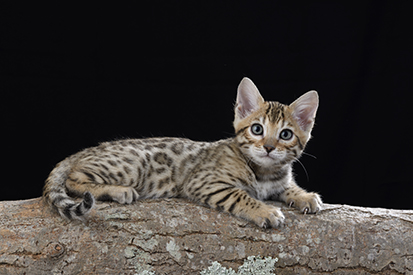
(305, 170)
(304, 153)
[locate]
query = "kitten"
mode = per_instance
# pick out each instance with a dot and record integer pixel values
(232, 175)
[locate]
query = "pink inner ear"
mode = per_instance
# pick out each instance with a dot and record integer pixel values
(245, 108)
(242, 112)
(304, 110)
(248, 98)
(304, 115)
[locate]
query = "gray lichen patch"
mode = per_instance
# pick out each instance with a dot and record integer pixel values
(173, 249)
(146, 244)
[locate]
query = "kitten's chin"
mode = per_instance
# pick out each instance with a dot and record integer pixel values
(266, 161)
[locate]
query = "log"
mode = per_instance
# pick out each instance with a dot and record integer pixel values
(175, 236)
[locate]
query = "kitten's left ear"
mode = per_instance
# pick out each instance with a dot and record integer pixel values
(304, 110)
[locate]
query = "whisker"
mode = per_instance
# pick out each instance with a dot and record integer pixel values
(249, 160)
(305, 170)
(304, 153)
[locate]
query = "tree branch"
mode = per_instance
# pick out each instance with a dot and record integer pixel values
(180, 237)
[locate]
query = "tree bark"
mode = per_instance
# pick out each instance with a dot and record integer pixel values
(180, 237)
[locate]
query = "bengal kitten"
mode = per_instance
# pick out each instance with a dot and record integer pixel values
(232, 175)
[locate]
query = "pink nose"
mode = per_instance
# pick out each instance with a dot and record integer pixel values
(268, 148)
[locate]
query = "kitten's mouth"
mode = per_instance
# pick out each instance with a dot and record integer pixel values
(267, 159)
(269, 155)
(270, 159)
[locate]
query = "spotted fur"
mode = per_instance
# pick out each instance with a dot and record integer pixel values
(233, 175)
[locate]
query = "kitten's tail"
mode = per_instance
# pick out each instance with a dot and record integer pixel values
(55, 195)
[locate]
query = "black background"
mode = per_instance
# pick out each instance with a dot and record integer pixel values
(73, 76)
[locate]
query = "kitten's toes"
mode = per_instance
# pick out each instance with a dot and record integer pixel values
(269, 216)
(125, 195)
(309, 203)
(315, 204)
(132, 196)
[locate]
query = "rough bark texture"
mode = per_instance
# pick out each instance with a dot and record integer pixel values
(180, 237)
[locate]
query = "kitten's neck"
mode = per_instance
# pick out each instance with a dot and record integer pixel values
(273, 173)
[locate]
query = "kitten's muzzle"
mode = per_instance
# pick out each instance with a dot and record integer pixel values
(269, 148)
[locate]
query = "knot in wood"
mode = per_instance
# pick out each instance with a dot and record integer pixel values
(55, 250)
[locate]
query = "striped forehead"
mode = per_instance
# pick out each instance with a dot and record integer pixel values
(274, 112)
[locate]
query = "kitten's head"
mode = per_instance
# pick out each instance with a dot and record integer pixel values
(270, 133)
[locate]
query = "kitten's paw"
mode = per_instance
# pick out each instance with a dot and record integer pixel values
(124, 195)
(307, 203)
(268, 216)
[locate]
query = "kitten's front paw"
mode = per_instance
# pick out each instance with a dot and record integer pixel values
(307, 203)
(268, 216)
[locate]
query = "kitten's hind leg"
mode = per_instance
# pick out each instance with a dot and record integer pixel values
(102, 192)
(120, 194)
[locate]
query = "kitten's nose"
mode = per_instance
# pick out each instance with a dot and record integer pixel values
(268, 148)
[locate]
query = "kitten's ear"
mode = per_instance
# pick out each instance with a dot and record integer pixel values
(304, 110)
(248, 98)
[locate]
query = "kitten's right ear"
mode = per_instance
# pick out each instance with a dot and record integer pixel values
(248, 98)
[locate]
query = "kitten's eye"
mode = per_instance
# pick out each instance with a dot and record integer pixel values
(286, 134)
(257, 129)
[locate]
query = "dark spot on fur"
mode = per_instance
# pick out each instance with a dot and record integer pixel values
(162, 182)
(113, 163)
(90, 176)
(162, 159)
(160, 145)
(177, 148)
(150, 187)
(104, 167)
(126, 169)
(160, 170)
(128, 160)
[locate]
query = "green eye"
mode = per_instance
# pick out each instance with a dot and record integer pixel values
(286, 134)
(257, 129)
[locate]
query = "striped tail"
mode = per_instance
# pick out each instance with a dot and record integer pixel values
(55, 195)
